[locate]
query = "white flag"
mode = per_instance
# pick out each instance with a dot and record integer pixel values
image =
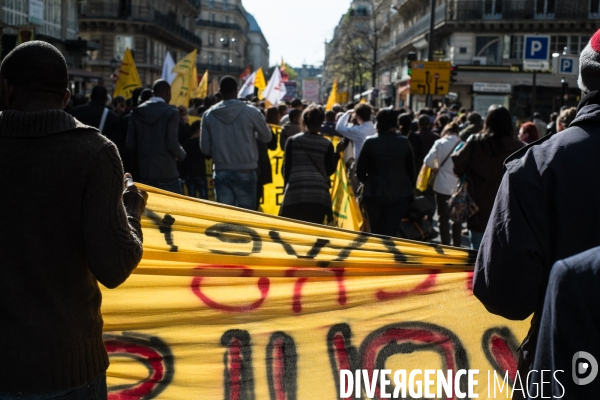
(275, 90)
(248, 87)
(168, 66)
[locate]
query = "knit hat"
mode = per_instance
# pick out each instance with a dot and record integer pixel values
(589, 66)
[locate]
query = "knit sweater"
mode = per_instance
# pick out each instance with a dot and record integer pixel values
(308, 162)
(64, 227)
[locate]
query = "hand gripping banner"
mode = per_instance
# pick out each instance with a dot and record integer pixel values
(230, 304)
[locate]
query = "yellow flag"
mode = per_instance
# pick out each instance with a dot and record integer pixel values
(182, 86)
(128, 77)
(260, 83)
(202, 90)
(333, 96)
(346, 212)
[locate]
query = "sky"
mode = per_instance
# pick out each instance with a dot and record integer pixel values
(297, 29)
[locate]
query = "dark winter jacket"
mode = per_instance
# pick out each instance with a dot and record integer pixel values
(153, 134)
(91, 114)
(570, 324)
(546, 210)
(485, 164)
(386, 165)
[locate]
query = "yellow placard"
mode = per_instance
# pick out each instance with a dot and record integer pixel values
(233, 304)
(430, 77)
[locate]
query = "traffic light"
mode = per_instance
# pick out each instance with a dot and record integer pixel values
(453, 73)
(411, 56)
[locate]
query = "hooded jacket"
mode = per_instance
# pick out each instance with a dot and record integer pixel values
(230, 130)
(546, 210)
(153, 134)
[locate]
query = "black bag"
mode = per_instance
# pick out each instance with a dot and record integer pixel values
(420, 207)
(420, 230)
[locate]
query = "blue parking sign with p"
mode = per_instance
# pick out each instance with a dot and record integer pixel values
(566, 66)
(537, 48)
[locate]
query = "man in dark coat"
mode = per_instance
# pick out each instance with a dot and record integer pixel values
(96, 114)
(427, 137)
(153, 135)
(546, 210)
(70, 222)
(569, 330)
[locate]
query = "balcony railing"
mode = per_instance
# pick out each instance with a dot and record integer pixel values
(422, 25)
(194, 3)
(215, 24)
(143, 14)
(219, 67)
(208, 4)
(461, 10)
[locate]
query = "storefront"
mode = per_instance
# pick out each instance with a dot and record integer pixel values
(487, 94)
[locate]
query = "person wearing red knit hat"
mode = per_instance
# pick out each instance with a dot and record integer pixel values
(528, 133)
(546, 210)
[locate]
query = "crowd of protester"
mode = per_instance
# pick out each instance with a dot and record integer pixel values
(535, 224)
(457, 144)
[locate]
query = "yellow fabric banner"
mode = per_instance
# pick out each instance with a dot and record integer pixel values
(231, 304)
(346, 213)
(129, 80)
(186, 80)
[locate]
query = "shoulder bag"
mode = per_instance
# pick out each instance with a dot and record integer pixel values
(462, 206)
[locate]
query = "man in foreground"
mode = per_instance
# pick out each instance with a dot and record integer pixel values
(153, 134)
(546, 210)
(67, 224)
(229, 133)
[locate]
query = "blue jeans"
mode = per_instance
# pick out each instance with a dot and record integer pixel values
(93, 390)
(197, 186)
(476, 238)
(236, 188)
(170, 185)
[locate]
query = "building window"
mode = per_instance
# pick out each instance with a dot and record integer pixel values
(224, 60)
(492, 9)
(52, 19)
(594, 8)
(211, 3)
(122, 43)
(211, 58)
(212, 18)
(225, 4)
(463, 50)
(558, 44)
(211, 39)
(227, 19)
(544, 8)
(488, 47)
(159, 53)
(72, 25)
(516, 47)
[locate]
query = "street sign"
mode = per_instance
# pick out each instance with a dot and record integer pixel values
(536, 66)
(432, 78)
(536, 53)
(537, 48)
(567, 66)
